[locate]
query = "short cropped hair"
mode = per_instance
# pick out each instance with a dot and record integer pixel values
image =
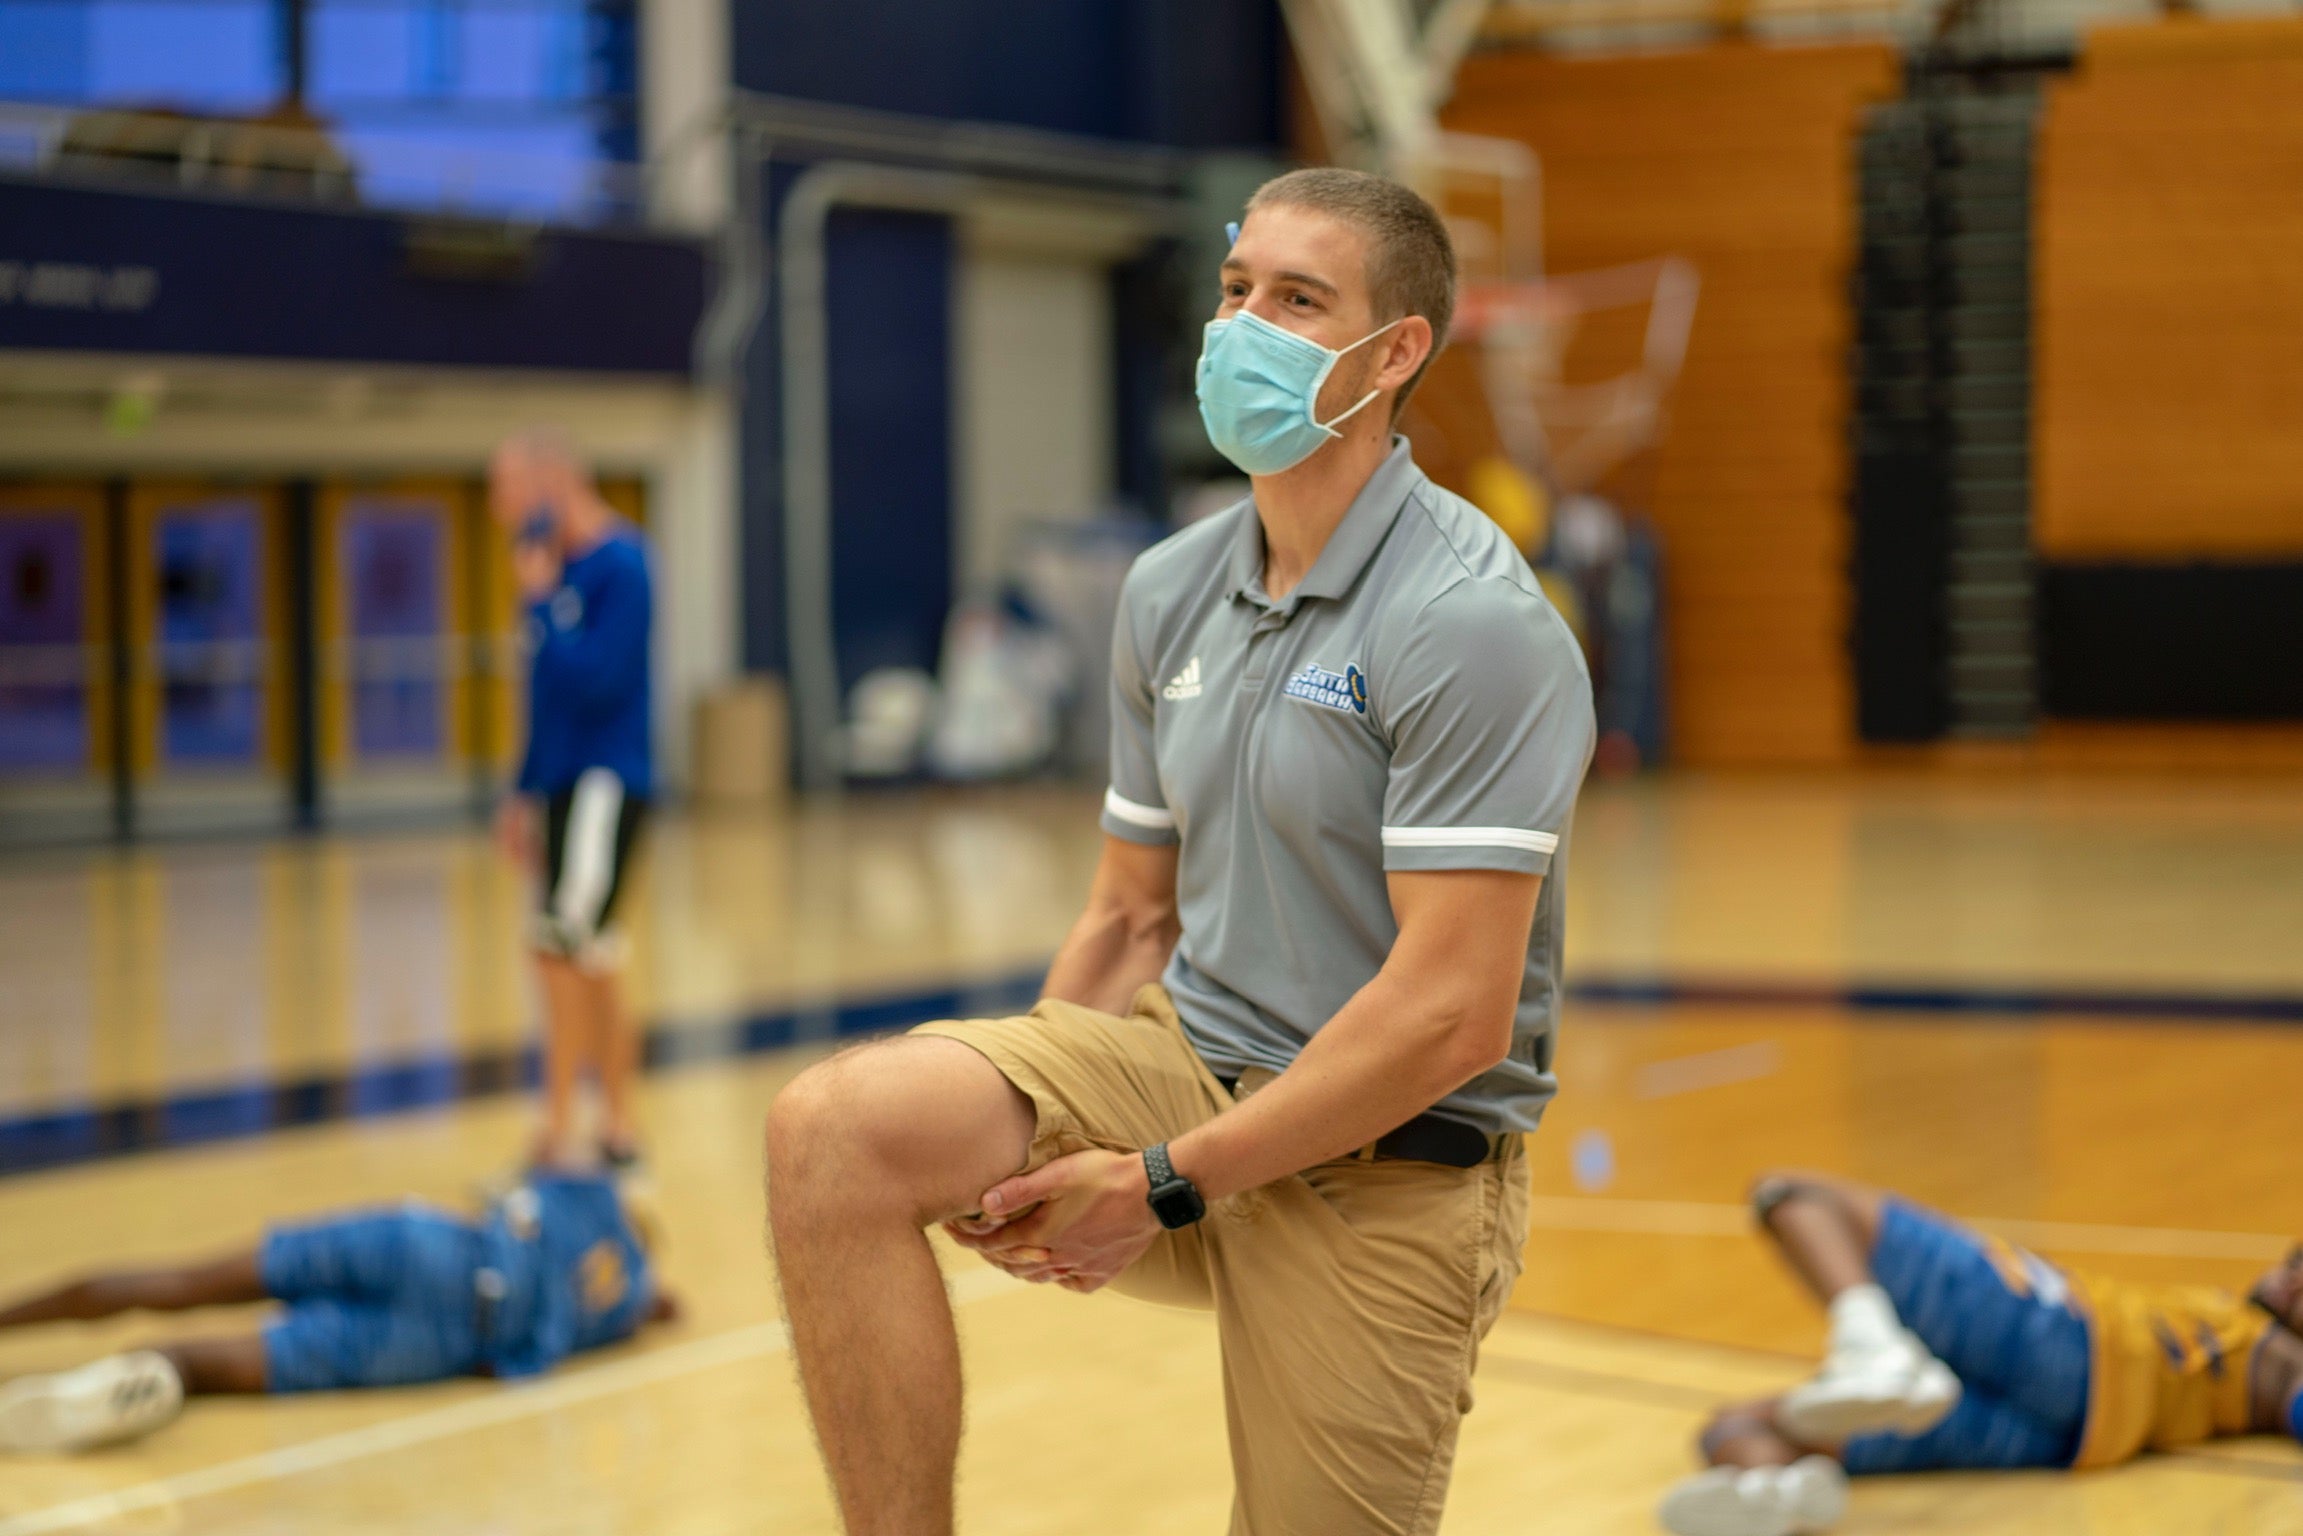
(1410, 260)
(547, 447)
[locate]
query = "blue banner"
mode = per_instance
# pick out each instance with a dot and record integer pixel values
(93, 269)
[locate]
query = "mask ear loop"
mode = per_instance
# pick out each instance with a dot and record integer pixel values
(1329, 426)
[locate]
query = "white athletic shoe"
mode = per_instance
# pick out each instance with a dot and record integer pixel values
(115, 1399)
(1897, 1389)
(1809, 1495)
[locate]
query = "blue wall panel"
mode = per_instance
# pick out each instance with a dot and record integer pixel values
(891, 326)
(1194, 74)
(760, 481)
(101, 270)
(889, 304)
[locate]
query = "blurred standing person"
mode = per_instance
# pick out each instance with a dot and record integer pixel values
(588, 771)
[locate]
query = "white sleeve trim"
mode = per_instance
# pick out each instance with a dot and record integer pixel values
(1470, 837)
(1117, 804)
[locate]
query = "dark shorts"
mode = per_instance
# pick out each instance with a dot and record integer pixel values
(590, 832)
(2005, 1322)
(384, 1298)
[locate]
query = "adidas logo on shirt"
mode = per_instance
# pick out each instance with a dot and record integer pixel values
(1186, 684)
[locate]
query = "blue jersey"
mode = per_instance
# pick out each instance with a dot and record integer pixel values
(588, 689)
(575, 1275)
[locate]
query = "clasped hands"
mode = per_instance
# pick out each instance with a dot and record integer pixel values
(1076, 1221)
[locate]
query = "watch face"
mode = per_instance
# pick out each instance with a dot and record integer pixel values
(1177, 1204)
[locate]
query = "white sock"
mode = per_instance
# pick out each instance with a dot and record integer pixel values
(1862, 1320)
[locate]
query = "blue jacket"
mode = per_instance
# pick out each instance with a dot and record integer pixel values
(588, 689)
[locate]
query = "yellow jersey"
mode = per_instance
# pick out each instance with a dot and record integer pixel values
(2169, 1366)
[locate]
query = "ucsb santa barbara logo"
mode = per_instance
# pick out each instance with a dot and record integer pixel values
(1345, 690)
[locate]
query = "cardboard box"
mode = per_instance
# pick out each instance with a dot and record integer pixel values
(742, 755)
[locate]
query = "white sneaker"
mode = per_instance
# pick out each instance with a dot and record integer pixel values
(1899, 1389)
(1809, 1495)
(115, 1399)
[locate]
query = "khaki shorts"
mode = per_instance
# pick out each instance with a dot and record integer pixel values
(1350, 1298)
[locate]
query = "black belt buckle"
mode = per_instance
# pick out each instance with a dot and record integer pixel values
(1425, 1139)
(1436, 1139)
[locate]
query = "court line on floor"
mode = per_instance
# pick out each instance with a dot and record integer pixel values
(1563, 1321)
(2236, 1463)
(1722, 1068)
(2015, 1001)
(1691, 1218)
(506, 1406)
(81, 1132)
(85, 1132)
(1585, 1382)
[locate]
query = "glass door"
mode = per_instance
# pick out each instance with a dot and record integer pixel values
(56, 659)
(393, 583)
(209, 711)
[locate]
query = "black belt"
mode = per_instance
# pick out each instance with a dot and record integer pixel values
(1425, 1139)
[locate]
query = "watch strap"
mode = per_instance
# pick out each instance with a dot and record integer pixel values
(1172, 1197)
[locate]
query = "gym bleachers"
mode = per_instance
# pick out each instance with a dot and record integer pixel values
(1739, 158)
(1943, 632)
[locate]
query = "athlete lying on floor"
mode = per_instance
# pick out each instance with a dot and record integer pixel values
(1953, 1350)
(375, 1298)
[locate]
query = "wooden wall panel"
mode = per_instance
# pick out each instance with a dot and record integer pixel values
(1739, 158)
(2169, 296)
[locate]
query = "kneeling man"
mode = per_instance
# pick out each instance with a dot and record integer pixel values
(1285, 1059)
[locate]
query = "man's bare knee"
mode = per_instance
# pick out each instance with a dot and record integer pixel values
(816, 1134)
(919, 1125)
(1859, 1203)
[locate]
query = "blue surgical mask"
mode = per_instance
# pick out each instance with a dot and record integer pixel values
(1258, 387)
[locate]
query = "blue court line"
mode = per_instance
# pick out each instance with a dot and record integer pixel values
(87, 1133)
(2220, 1007)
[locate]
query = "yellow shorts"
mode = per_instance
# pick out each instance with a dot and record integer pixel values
(1351, 1298)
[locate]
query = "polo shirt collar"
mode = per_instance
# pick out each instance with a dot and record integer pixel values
(1348, 549)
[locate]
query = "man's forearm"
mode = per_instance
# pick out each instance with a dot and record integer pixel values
(1107, 956)
(1384, 1059)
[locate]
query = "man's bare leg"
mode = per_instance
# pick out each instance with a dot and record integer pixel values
(1876, 1374)
(219, 1367)
(615, 1054)
(567, 1050)
(864, 1152)
(235, 1278)
(1825, 1227)
(1746, 1435)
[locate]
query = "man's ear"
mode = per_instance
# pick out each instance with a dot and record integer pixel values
(1407, 346)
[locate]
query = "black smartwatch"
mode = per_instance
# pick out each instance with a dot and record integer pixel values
(1173, 1198)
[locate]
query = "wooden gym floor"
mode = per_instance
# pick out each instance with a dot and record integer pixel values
(2071, 1007)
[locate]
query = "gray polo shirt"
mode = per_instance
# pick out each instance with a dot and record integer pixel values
(1415, 703)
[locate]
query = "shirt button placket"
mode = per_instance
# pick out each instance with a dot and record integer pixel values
(1259, 649)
